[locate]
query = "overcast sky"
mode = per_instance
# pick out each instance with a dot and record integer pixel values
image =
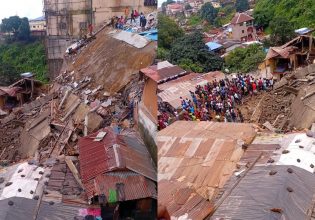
(23, 8)
(159, 2)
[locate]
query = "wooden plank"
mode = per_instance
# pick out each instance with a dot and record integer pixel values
(74, 107)
(74, 171)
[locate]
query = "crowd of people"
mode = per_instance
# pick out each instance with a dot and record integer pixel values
(217, 100)
(120, 22)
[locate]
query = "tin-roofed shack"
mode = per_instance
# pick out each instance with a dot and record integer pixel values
(296, 53)
(118, 169)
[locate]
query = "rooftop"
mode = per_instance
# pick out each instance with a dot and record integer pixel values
(173, 90)
(202, 155)
(241, 18)
(163, 74)
(285, 193)
(113, 153)
(180, 199)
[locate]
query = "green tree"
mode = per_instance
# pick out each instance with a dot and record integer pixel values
(191, 49)
(298, 13)
(244, 60)
(241, 5)
(16, 25)
(282, 31)
(168, 31)
(208, 12)
(17, 58)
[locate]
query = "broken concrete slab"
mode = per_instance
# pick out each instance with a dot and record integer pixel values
(94, 122)
(80, 113)
(133, 39)
(30, 138)
(280, 84)
(269, 126)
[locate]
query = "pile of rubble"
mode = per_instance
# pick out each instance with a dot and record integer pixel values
(291, 105)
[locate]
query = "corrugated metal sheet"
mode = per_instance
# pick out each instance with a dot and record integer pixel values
(164, 74)
(173, 90)
(301, 149)
(180, 199)
(259, 192)
(135, 186)
(113, 153)
(11, 91)
(265, 151)
(23, 209)
(201, 154)
(25, 177)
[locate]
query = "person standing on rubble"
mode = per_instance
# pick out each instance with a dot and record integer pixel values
(132, 17)
(90, 29)
(144, 23)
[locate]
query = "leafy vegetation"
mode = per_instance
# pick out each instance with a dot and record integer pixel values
(298, 13)
(208, 12)
(241, 5)
(228, 12)
(168, 31)
(17, 58)
(191, 53)
(18, 26)
(281, 32)
(244, 60)
(194, 20)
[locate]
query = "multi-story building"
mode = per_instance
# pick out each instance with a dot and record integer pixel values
(38, 27)
(38, 24)
(243, 27)
(68, 20)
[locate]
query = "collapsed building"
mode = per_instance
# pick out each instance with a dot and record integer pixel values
(68, 21)
(45, 141)
(298, 52)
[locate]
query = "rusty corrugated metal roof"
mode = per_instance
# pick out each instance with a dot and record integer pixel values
(180, 199)
(173, 90)
(135, 186)
(163, 74)
(113, 153)
(201, 154)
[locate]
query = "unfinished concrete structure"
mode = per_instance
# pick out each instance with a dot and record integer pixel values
(68, 20)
